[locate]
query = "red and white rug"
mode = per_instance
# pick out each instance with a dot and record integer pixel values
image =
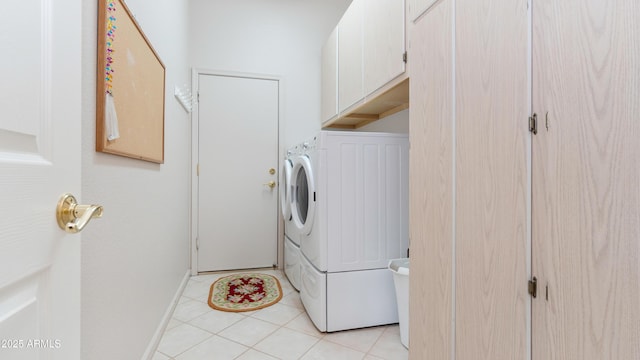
(244, 292)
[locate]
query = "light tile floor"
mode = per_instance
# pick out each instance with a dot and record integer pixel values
(281, 331)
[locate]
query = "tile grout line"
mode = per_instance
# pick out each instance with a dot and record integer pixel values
(203, 340)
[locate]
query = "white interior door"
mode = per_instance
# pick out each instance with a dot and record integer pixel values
(39, 160)
(238, 146)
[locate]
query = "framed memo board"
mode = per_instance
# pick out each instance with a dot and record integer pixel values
(130, 87)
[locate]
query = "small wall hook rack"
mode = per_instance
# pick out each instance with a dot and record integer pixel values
(183, 94)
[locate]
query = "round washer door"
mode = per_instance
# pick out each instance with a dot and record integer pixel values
(303, 203)
(285, 189)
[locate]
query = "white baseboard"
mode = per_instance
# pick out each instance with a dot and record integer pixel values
(157, 336)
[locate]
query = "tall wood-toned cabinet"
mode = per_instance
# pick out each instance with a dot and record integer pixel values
(418, 7)
(493, 204)
(431, 185)
(469, 181)
(586, 179)
(491, 107)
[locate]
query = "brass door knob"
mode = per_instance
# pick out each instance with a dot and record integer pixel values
(73, 217)
(270, 184)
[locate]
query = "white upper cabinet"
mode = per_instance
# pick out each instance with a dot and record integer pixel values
(330, 76)
(366, 71)
(350, 55)
(384, 42)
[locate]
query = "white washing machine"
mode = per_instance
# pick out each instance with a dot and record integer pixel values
(291, 233)
(350, 202)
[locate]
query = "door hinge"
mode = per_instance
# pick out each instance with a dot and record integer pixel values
(197, 244)
(198, 169)
(533, 123)
(404, 57)
(533, 287)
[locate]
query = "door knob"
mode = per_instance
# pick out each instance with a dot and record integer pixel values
(270, 184)
(73, 217)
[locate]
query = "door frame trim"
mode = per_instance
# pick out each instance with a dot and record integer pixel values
(195, 87)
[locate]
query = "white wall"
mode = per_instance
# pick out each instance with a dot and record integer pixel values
(274, 37)
(134, 258)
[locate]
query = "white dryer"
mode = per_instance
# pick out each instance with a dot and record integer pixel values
(285, 193)
(291, 233)
(350, 204)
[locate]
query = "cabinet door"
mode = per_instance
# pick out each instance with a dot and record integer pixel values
(586, 180)
(350, 83)
(329, 95)
(384, 30)
(418, 7)
(431, 185)
(492, 106)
